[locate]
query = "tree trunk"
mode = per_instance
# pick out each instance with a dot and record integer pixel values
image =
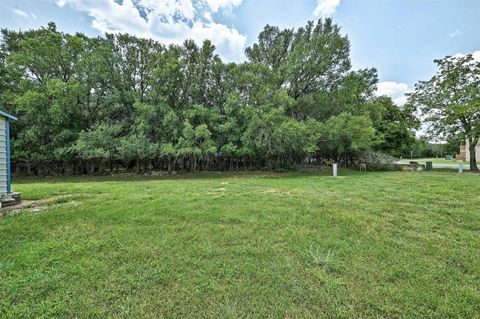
(92, 166)
(473, 155)
(29, 168)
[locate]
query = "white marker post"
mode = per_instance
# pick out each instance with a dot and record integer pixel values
(460, 168)
(335, 170)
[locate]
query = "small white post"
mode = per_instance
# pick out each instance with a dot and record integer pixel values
(460, 168)
(335, 170)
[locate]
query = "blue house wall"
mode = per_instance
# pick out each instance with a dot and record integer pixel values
(5, 169)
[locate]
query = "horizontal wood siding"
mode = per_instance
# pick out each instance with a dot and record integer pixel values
(3, 157)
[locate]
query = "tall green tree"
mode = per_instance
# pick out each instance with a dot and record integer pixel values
(99, 144)
(450, 101)
(346, 135)
(395, 126)
(87, 102)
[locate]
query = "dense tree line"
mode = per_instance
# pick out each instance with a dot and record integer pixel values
(86, 105)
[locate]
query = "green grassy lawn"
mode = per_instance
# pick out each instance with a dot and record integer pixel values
(381, 245)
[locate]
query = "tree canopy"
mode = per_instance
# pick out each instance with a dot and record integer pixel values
(450, 100)
(87, 104)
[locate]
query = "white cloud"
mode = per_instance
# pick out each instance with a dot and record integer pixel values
(215, 5)
(20, 13)
(33, 15)
(326, 8)
(168, 21)
(394, 90)
(454, 34)
(475, 55)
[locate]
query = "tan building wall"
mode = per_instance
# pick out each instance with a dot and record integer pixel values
(463, 153)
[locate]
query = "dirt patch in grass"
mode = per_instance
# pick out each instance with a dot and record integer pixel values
(217, 191)
(34, 206)
(276, 191)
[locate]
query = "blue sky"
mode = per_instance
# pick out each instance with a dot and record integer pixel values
(398, 37)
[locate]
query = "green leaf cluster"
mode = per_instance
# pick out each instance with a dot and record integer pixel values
(85, 104)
